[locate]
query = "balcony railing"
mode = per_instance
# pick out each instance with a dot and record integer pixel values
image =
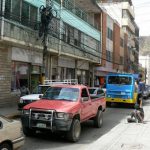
(75, 9)
(22, 29)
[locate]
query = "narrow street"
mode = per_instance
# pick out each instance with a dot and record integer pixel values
(112, 117)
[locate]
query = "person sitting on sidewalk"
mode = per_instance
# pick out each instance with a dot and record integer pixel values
(138, 114)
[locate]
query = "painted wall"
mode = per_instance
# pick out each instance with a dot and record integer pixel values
(78, 23)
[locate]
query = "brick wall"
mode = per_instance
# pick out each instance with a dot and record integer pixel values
(104, 34)
(126, 55)
(5, 77)
(116, 46)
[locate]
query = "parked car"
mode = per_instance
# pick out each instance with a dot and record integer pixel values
(11, 134)
(96, 91)
(37, 93)
(63, 108)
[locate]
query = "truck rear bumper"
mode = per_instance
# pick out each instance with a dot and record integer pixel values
(120, 100)
(56, 125)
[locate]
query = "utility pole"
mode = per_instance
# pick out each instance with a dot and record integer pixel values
(46, 17)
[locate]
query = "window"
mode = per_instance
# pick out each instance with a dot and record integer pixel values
(16, 7)
(109, 56)
(29, 14)
(62, 93)
(109, 34)
(76, 37)
(7, 8)
(84, 93)
(120, 80)
(121, 60)
(33, 15)
(121, 42)
(20, 75)
(25, 13)
(21, 11)
(1, 7)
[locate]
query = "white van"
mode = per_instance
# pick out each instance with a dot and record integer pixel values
(37, 92)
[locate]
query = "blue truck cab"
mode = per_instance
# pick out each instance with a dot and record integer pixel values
(121, 88)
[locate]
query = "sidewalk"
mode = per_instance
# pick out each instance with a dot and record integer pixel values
(126, 136)
(10, 111)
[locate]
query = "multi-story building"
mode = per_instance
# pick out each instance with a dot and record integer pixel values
(114, 47)
(113, 43)
(123, 12)
(74, 45)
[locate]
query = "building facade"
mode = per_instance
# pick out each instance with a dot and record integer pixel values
(123, 12)
(74, 46)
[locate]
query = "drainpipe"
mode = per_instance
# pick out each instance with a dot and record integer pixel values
(2, 20)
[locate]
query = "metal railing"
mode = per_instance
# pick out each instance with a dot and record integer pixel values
(65, 81)
(75, 9)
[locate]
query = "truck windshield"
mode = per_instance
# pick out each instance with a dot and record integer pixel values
(61, 93)
(120, 80)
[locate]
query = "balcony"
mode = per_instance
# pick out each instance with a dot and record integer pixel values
(127, 22)
(82, 9)
(17, 34)
(127, 6)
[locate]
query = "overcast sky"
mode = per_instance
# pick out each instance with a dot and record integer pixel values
(142, 16)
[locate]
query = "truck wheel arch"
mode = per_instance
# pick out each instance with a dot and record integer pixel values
(101, 108)
(76, 116)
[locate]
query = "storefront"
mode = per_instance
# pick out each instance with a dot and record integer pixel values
(66, 68)
(83, 72)
(26, 68)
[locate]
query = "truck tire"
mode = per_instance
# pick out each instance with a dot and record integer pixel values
(5, 146)
(28, 132)
(73, 134)
(98, 120)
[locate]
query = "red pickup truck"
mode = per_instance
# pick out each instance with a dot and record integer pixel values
(63, 108)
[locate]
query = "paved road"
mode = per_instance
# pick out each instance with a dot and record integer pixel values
(112, 117)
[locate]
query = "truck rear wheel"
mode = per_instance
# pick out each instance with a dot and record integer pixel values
(28, 132)
(98, 120)
(74, 134)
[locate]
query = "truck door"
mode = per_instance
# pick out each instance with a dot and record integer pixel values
(86, 105)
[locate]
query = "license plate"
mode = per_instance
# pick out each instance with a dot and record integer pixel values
(41, 125)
